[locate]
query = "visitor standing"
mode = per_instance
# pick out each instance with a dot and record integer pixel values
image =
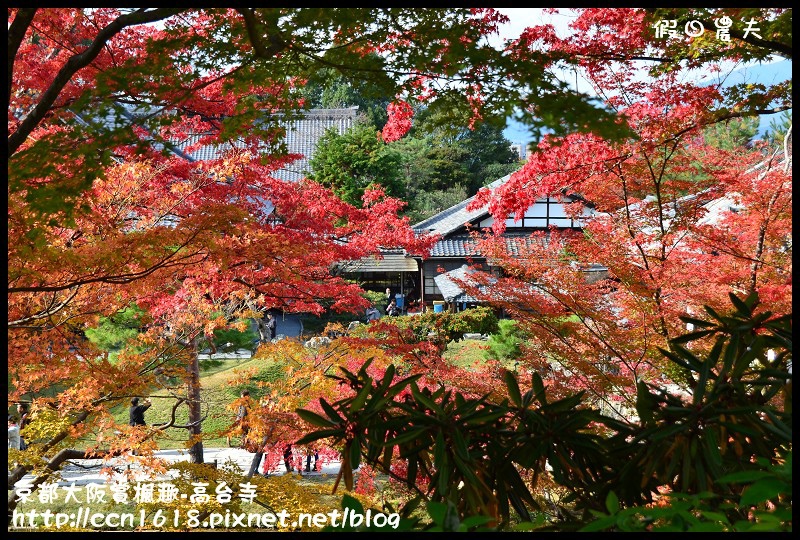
(136, 412)
(312, 453)
(272, 326)
(13, 433)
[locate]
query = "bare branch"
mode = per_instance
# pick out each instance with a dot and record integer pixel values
(276, 44)
(171, 422)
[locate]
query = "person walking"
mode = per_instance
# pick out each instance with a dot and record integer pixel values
(136, 412)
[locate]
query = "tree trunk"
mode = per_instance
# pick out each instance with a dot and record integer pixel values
(257, 458)
(195, 412)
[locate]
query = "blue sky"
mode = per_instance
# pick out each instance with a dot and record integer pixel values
(520, 18)
(763, 73)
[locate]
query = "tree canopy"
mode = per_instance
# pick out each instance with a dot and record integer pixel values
(356, 160)
(113, 209)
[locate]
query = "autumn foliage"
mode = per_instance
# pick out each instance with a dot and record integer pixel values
(677, 222)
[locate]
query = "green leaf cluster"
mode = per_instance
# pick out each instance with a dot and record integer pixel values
(506, 344)
(350, 162)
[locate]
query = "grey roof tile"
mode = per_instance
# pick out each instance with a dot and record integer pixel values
(302, 137)
(451, 291)
(302, 134)
(388, 262)
(451, 219)
(466, 246)
(455, 246)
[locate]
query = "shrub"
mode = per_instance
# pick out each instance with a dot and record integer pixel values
(448, 326)
(478, 320)
(506, 343)
(725, 452)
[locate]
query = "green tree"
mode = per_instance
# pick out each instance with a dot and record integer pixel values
(488, 155)
(428, 203)
(350, 162)
(116, 331)
(463, 153)
(506, 343)
(448, 162)
(778, 128)
(732, 134)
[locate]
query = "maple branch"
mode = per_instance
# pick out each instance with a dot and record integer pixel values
(161, 106)
(594, 331)
(739, 255)
(53, 464)
(192, 424)
(78, 62)
(45, 313)
(19, 472)
(783, 49)
(171, 422)
(16, 33)
(778, 47)
(162, 357)
(728, 115)
(621, 58)
(121, 279)
(276, 44)
(762, 232)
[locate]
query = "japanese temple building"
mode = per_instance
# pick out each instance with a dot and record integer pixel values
(420, 278)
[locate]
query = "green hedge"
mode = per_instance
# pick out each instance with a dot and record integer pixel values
(448, 326)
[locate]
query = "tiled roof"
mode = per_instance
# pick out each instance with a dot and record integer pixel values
(302, 136)
(451, 219)
(516, 243)
(389, 262)
(452, 292)
(455, 246)
(465, 245)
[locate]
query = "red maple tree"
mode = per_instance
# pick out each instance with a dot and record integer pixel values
(678, 224)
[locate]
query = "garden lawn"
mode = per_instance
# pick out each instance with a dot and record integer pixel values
(217, 391)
